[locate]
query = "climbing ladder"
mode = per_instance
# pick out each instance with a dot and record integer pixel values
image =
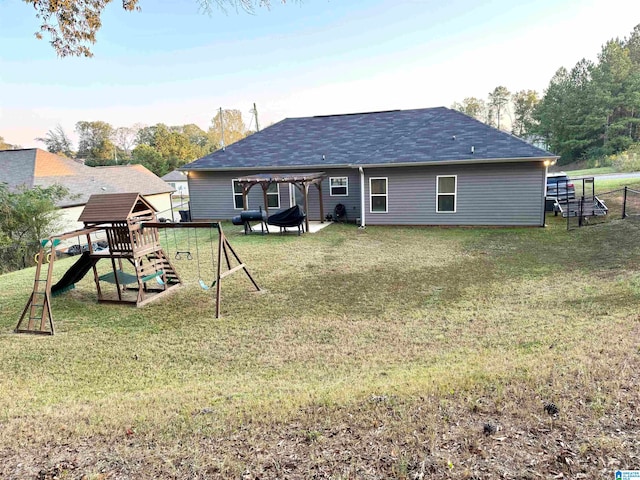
(36, 317)
(37, 312)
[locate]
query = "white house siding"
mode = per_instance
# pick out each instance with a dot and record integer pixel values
(162, 203)
(212, 198)
(67, 221)
(487, 194)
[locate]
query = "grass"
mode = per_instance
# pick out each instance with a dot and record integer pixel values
(372, 354)
(586, 171)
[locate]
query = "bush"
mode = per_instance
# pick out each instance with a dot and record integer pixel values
(628, 161)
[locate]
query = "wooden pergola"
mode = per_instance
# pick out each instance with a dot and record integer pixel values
(302, 181)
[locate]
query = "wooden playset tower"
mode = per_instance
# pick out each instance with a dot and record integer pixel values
(119, 217)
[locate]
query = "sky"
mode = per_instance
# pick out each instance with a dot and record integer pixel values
(172, 63)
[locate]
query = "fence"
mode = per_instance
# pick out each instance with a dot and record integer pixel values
(621, 203)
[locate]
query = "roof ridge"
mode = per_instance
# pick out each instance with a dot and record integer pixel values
(354, 113)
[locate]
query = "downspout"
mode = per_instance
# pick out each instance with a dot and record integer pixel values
(362, 222)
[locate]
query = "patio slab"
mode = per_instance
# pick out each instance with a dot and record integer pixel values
(314, 227)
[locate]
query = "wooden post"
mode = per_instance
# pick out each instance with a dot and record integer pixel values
(245, 192)
(624, 203)
(319, 186)
(221, 240)
(265, 187)
(305, 194)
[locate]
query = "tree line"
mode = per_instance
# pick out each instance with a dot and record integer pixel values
(160, 148)
(589, 112)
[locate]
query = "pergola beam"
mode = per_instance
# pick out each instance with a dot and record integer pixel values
(301, 181)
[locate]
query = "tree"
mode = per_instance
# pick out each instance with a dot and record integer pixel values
(72, 25)
(524, 103)
(6, 146)
(149, 157)
(499, 102)
(58, 142)
(124, 138)
(95, 142)
(593, 110)
(616, 81)
(26, 217)
(231, 123)
(162, 148)
(472, 106)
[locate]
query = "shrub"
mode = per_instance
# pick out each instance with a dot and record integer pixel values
(628, 161)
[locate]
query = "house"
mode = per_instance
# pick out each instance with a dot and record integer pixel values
(35, 167)
(177, 180)
(433, 166)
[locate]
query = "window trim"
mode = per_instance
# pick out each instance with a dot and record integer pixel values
(233, 191)
(386, 195)
(346, 186)
(274, 193)
(455, 193)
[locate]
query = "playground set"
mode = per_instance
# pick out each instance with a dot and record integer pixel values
(131, 228)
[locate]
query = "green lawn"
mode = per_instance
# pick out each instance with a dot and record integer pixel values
(383, 353)
(583, 172)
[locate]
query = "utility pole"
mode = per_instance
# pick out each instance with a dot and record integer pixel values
(255, 113)
(222, 129)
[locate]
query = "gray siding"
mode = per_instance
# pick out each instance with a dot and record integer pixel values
(487, 194)
(212, 198)
(351, 202)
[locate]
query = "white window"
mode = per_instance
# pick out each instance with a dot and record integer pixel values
(238, 202)
(378, 195)
(446, 193)
(339, 186)
(273, 195)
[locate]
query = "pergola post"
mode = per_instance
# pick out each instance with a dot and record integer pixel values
(265, 187)
(245, 192)
(305, 195)
(319, 186)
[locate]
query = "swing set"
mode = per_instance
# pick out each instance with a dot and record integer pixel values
(131, 228)
(224, 248)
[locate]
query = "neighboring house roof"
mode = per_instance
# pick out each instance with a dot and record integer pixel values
(175, 176)
(35, 167)
(398, 137)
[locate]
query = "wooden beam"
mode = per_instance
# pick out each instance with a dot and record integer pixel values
(180, 225)
(305, 194)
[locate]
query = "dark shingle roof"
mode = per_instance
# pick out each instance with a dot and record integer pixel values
(31, 167)
(378, 138)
